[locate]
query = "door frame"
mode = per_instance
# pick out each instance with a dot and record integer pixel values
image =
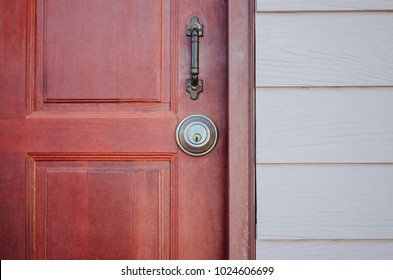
(241, 132)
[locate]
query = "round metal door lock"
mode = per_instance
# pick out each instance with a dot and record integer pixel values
(196, 135)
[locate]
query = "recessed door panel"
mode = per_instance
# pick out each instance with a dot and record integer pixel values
(99, 53)
(87, 209)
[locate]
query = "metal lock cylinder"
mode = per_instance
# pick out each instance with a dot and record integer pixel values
(196, 135)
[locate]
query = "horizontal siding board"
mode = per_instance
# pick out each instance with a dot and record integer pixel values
(323, 5)
(324, 201)
(325, 250)
(324, 125)
(328, 49)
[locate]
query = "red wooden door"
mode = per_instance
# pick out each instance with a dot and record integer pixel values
(91, 93)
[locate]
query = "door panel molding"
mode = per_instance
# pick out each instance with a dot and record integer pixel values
(114, 87)
(145, 179)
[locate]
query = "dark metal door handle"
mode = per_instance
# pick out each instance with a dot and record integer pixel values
(194, 86)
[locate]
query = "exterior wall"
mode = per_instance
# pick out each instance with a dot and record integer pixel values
(324, 129)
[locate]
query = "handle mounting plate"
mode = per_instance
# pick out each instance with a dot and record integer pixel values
(194, 25)
(194, 91)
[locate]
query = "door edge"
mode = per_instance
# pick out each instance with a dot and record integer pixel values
(241, 132)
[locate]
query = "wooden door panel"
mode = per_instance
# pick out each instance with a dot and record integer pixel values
(80, 135)
(109, 209)
(119, 40)
(12, 63)
(12, 205)
(99, 53)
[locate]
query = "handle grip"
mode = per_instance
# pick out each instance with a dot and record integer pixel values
(194, 86)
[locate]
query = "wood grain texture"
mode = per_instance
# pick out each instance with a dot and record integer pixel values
(12, 206)
(322, 125)
(12, 94)
(325, 201)
(204, 234)
(120, 40)
(104, 209)
(137, 43)
(88, 136)
(323, 5)
(325, 250)
(12, 58)
(241, 118)
(313, 49)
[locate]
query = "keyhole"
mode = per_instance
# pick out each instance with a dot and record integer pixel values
(196, 137)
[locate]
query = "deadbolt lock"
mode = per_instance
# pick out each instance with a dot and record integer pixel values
(196, 135)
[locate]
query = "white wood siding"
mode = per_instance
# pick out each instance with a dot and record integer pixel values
(323, 5)
(324, 78)
(325, 125)
(325, 250)
(325, 201)
(328, 49)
